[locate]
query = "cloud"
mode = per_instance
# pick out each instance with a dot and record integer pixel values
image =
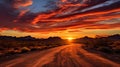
(18, 3)
(67, 14)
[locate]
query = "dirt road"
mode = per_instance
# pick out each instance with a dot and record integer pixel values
(72, 55)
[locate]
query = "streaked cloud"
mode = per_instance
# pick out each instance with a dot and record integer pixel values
(59, 15)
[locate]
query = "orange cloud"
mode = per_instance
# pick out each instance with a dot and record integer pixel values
(45, 17)
(104, 26)
(2, 29)
(67, 14)
(22, 3)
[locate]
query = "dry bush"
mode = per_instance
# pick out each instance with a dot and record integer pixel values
(25, 49)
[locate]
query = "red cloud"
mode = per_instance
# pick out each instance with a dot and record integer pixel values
(21, 3)
(69, 14)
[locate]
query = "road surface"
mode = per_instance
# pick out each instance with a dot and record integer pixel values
(72, 55)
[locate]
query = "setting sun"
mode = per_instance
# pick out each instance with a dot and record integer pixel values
(70, 38)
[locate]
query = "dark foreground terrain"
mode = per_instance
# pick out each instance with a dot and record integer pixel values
(72, 55)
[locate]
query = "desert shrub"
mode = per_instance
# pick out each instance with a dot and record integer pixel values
(36, 48)
(1, 53)
(1, 48)
(11, 52)
(25, 44)
(116, 47)
(117, 51)
(105, 49)
(108, 44)
(116, 43)
(25, 49)
(33, 49)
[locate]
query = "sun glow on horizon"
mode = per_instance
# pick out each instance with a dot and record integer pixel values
(70, 38)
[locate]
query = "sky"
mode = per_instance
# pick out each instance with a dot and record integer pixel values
(64, 18)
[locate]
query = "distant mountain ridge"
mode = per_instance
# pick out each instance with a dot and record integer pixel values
(17, 38)
(116, 36)
(28, 38)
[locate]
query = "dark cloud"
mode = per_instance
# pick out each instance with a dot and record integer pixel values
(67, 14)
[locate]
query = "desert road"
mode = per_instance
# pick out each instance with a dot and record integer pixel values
(72, 55)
